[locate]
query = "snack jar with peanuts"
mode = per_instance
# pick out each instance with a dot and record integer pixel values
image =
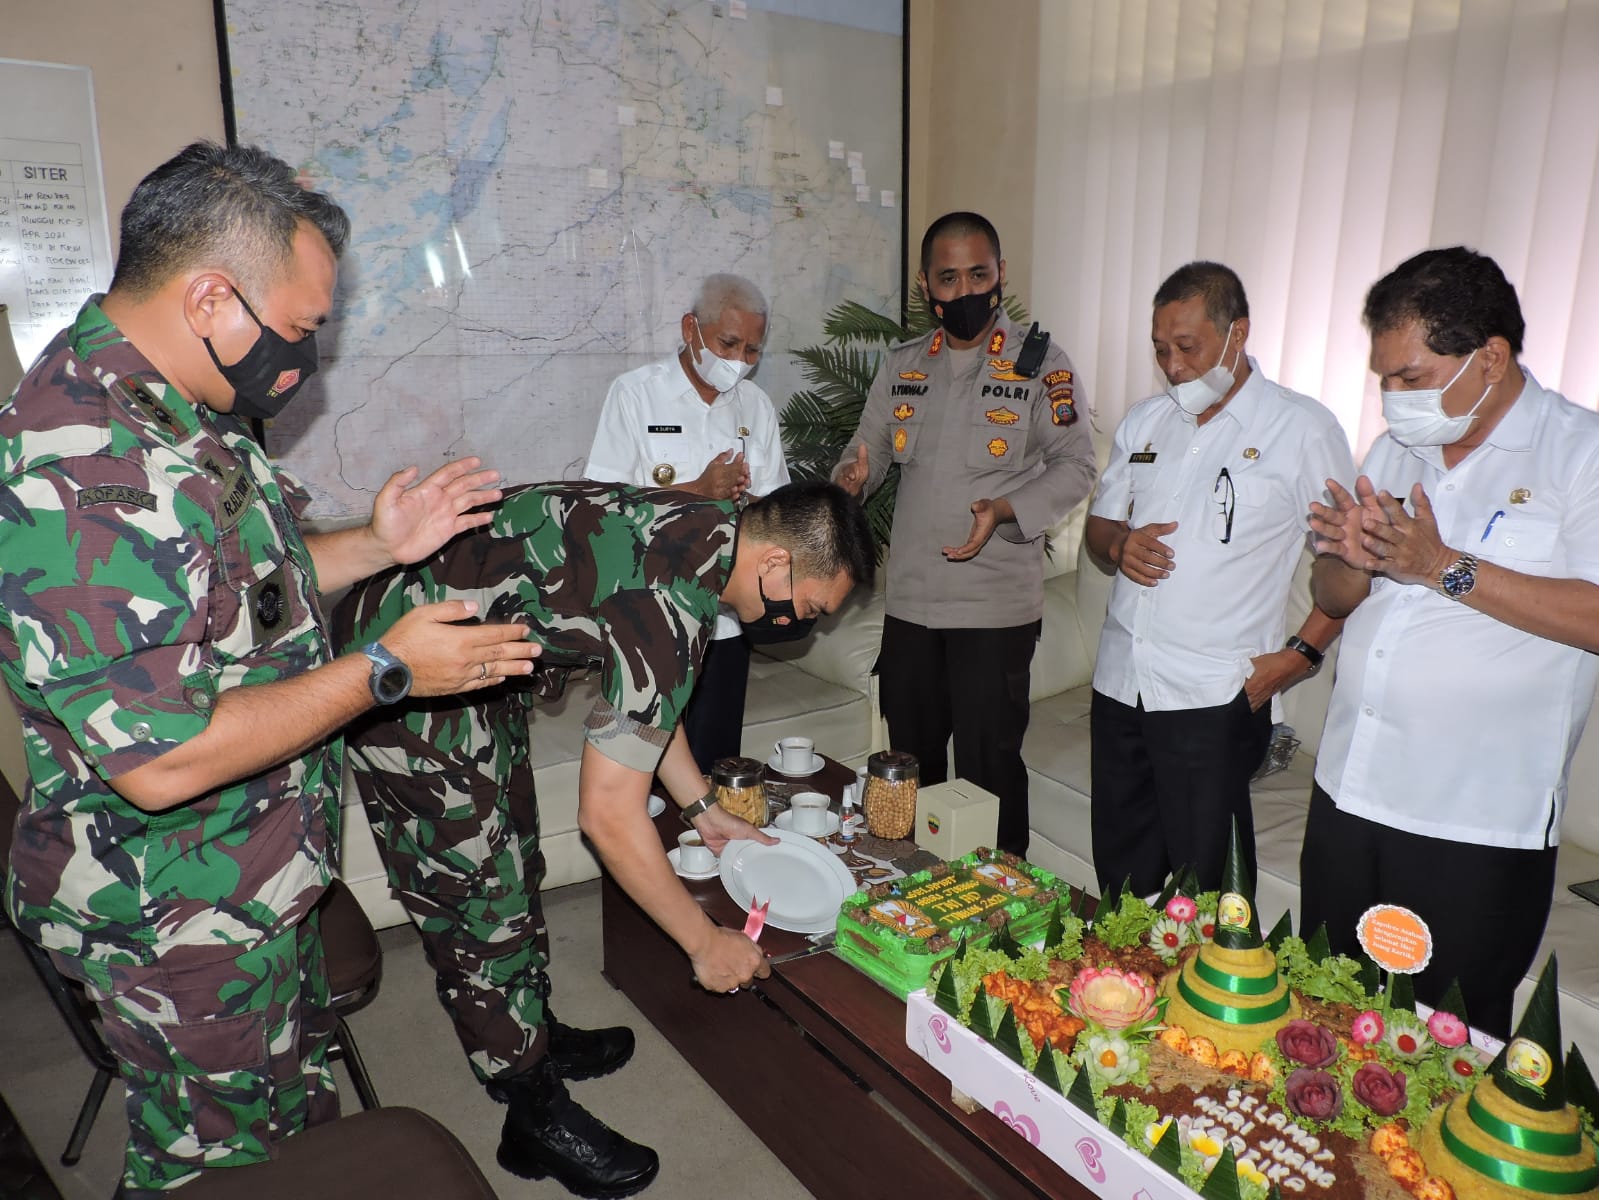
(890, 803)
(741, 789)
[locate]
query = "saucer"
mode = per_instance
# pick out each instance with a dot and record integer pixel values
(785, 820)
(672, 856)
(656, 806)
(776, 763)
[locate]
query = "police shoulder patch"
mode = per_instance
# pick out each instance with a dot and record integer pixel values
(1054, 377)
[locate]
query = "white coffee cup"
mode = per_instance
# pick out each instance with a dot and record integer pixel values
(693, 854)
(794, 755)
(807, 814)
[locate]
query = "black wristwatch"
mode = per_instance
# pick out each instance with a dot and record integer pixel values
(690, 811)
(1459, 577)
(1312, 655)
(391, 678)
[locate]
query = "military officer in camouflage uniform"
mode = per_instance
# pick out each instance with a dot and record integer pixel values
(989, 430)
(628, 581)
(160, 632)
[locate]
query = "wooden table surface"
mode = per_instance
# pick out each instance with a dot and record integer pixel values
(819, 1037)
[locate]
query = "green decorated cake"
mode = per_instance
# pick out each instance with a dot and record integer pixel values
(897, 932)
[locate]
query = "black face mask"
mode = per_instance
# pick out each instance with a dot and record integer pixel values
(964, 317)
(779, 623)
(270, 372)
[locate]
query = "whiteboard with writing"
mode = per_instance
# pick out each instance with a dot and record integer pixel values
(55, 244)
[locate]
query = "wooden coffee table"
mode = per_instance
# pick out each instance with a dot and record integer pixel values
(821, 1039)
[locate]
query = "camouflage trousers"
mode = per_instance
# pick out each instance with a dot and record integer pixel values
(449, 793)
(223, 1056)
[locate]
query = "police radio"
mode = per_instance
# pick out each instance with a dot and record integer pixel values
(1031, 359)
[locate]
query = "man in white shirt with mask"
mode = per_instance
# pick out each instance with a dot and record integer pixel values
(1201, 511)
(695, 422)
(1467, 561)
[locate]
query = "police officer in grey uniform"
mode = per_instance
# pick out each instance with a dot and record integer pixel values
(988, 424)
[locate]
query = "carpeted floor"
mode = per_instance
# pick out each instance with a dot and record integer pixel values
(414, 1059)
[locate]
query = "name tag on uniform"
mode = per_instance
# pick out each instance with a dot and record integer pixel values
(1143, 456)
(666, 429)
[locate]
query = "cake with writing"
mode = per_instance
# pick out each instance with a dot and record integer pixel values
(1277, 1068)
(897, 932)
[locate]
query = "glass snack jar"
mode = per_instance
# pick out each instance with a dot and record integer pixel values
(890, 804)
(740, 786)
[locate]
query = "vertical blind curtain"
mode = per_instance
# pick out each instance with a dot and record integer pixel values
(1312, 145)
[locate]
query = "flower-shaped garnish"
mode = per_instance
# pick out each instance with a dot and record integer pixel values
(1313, 1094)
(1207, 925)
(1464, 1062)
(1110, 1058)
(1249, 1171)
(1308, 1043)
(1207, 1143)
(1406, 1035)
(1155, 1130)
(1112, 999)
(1181, 909)
(1379, 1089)
(1447, 1029)
(1367, 1028)
(1166, 938)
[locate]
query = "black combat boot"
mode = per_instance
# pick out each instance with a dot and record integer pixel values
(578, 1053)
(587, 1053)
(547, 1133)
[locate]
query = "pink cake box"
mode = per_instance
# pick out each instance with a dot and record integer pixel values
(1069, 1137)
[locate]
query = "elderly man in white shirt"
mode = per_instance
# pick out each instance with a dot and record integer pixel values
(1202, 513)
(1468, 664)
(696, 423)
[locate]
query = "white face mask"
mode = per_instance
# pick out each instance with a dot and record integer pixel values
(723, 374)
(1418, 418)
(1194, 396)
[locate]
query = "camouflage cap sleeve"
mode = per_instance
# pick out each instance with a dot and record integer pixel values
(105, 595)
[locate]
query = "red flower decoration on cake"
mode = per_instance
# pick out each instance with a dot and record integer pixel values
(1308, 1043)
(1379, 1089)
(1313, 1094)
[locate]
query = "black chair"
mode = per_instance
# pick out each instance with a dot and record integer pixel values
(354, 965)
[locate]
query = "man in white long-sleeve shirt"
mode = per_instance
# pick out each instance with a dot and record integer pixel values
(695, 422)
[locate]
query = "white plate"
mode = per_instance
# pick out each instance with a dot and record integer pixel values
(785, 820)
(776, 763)
(655, 807)
(672, 857)
(803, 881)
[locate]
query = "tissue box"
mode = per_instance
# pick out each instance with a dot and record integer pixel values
(955, 818)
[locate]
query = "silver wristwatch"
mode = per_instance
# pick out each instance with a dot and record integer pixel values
(1459, 577)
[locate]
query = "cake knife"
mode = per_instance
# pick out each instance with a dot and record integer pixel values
(826, 942)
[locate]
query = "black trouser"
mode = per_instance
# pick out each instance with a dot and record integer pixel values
(971, 683)
(714, 719)
(1167, 787)
(1485, 905)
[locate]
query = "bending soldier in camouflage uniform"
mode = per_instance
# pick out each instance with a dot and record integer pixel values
(627, 580)
(160, 632)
